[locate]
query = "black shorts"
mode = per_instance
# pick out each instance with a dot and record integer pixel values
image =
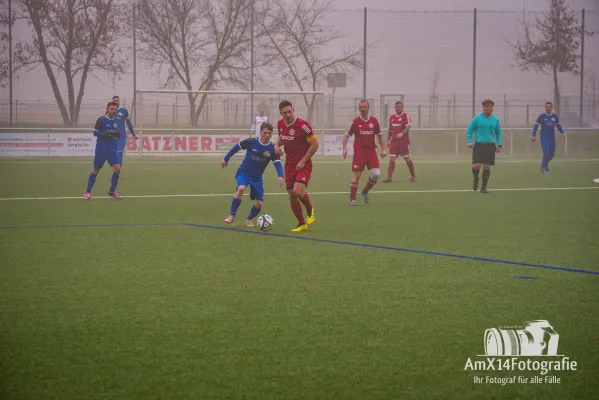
(483, 153)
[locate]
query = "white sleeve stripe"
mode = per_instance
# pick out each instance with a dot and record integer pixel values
(277, 161)
(306, 129)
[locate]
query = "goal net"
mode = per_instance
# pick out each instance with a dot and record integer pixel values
(202, 123)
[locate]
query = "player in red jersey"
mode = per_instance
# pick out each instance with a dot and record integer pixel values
(399, 141)
(364, 129)
(300, 143)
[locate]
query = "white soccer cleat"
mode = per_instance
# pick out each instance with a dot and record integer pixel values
(249, 223)
(229, 219)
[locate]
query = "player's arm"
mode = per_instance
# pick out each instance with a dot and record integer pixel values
(408, 126)
(382, 140)
(471, 130)
(499, 136)
(559, 126)
(279, 168)
(314, 145)
(243, 145)
(129, 124)
(99, 128)
(389, 132)
(253, 128)
(536, 128)
(345, 139)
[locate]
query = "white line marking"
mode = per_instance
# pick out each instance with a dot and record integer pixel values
(160, 196)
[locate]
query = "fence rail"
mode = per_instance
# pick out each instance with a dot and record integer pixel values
(578, 142)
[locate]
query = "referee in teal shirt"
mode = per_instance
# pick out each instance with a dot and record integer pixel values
(487, 142)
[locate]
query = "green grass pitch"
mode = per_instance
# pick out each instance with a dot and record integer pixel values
(156, 308)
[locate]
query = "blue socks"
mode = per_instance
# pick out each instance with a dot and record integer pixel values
(90, 182)
(235, 206)
(254, 212)
(114, 181)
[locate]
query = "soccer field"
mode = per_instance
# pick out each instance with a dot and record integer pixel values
(153, 297)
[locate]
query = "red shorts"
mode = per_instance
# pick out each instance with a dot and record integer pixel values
(365, 158)
(292, 174)
(400, 150)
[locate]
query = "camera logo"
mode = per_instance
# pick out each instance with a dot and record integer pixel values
(535, 338)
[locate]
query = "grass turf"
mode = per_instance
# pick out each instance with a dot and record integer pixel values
(178, 311)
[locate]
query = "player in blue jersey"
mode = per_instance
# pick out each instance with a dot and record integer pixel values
(122, 118)
(487, 132)
(107, 140)
(259, 152)
(547, 121)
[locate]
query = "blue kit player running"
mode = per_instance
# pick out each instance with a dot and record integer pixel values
(107, 139)
(122, 118)
(259, 152)
(548, 121)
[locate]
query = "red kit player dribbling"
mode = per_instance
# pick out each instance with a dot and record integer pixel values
(399, 141)
(364, 129)
(300, 143)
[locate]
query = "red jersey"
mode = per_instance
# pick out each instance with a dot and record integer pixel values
(364, 132)
(296, 139)
(398, 124)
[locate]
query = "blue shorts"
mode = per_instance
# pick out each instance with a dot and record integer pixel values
(103, 155)
(256, 185)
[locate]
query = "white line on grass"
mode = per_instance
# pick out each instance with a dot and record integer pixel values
(159, 196)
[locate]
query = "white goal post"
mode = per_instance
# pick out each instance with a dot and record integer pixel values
(199, 122)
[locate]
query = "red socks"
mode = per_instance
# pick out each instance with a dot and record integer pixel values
(296, 207)
(391, 168)
(307, 203)
(353, 190)
(411, 168)
(369, 185)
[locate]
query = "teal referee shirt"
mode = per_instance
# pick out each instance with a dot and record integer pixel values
(487, 130)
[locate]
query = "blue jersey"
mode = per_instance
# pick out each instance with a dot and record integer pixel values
(122, 121)
(547, 122)
(106, 132)
(487, 130)
(257, 157)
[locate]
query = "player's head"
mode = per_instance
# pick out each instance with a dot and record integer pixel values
(287, 111)
(261, 111)
(116, 99)
(265, 132)
(111, 108)
(364, 108)
(488, 105)
(548, 107)
(398, 107)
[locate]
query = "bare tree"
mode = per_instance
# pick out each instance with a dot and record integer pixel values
(299, 41)
(550, 44)
(71, 40)
(203, 44)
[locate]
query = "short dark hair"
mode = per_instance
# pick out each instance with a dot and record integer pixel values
(549, 103)
(111, 103)
(399, 102)
(285, 103)
(115, 97)
(488, 101)
(266, 125)
(364, 101)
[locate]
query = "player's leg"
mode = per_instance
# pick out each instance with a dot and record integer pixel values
(551, 152)
(115, 163)
(99, 160)
(375, 172)
(477, 163)
(303, 177)
(357, 167)
(488, 161)
(405, 153)
(294, 202)
(391, 168)
(257, 193)
(545, 146)
(242, 181)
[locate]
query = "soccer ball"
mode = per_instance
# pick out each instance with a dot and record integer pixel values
(265, 223)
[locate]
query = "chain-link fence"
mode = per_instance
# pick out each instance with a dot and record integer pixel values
(441, 64)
